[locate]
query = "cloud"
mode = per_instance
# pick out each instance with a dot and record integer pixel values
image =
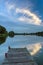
(33, 17)
(30, 17)
(9, 6)
(27, 20)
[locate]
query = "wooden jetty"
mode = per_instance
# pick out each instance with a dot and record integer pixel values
(18, 56)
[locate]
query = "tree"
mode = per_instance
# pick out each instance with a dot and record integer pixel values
(2, 30)
(11, 34)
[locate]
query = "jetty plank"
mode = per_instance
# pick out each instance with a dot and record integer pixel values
(18, 56)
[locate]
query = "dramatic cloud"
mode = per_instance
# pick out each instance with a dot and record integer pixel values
(27, 16)
(34, 19)
(27, 20)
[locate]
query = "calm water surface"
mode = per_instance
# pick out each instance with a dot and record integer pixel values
(33, 43)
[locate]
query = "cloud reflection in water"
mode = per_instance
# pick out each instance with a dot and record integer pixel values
(34, 48)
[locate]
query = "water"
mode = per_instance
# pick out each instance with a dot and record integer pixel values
(33, 43)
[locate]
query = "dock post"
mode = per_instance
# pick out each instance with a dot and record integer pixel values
(9, 48)
(6, 55)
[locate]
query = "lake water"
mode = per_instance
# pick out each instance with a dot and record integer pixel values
(33, 43)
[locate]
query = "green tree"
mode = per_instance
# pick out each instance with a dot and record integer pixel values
(11, 34)
(2, 30)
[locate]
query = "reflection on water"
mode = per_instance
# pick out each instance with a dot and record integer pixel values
(34, 48)
(2, 40)
(33, 43)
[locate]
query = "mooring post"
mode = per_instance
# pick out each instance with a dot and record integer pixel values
(9, 48)
(6, 55)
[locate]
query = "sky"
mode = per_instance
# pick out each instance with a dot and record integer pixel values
(22, 11)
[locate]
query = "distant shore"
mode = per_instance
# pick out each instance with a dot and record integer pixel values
(5, 33)
(12, 34)
(37, 33)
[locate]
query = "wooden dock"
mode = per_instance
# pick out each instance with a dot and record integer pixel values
(18, 56)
